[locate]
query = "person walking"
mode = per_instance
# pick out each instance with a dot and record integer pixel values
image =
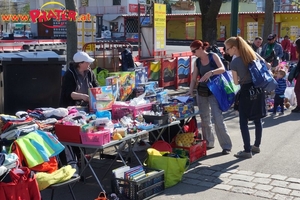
(286, 46)
(207, 103)
(251, 98)
(297, 77)
(272, 51)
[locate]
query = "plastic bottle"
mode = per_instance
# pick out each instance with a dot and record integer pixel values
(3, 150)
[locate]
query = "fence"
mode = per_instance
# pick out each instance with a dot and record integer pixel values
(172, 71)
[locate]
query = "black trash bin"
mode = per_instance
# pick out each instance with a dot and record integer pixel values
(29, 80)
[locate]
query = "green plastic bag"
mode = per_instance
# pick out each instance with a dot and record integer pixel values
(101, 75)
(173, 165)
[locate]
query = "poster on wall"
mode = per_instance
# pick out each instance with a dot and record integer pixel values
(293, 32)
(252, 31)
(190, 30)
(222, 33)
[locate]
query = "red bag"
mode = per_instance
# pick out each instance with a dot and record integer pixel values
(191, 126)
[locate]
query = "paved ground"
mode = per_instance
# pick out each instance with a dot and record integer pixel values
(271, 174)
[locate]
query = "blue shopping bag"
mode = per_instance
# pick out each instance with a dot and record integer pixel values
(224, 89)
(261, 76)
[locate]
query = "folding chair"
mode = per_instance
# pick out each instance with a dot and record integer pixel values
(71, 182)
(68, 183)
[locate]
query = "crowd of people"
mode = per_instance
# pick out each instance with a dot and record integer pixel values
(240, 53)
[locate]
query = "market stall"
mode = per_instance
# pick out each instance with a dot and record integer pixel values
(110, 123)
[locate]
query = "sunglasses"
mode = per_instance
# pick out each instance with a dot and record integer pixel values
(194, 50)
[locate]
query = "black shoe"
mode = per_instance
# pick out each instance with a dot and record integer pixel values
(296, 110)
(226, 151)
(208, 148)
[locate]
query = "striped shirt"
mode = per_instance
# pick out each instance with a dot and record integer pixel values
(280, 89)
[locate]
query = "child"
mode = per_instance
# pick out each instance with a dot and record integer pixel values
(279, 91)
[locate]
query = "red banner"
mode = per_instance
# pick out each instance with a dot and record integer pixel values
(169, 75)
(134, 8)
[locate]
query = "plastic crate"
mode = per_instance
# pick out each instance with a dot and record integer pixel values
(145, 188)
(119, 111)
(194, 152)
(68, 133)
(96, 138)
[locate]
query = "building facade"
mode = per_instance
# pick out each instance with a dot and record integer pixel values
(120, 16)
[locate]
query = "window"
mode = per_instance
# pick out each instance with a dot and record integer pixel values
(116, 2)
(114, 26)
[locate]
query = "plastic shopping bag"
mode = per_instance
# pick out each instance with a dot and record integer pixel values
(224, 89)
(173, 165)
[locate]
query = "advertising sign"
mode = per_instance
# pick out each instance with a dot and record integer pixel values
(159, 26)
(134, 8)
(48, 11)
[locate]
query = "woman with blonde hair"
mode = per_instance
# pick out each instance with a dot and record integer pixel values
(252, 100)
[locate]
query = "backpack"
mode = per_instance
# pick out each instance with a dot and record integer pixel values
(215, 49)
(127, 60)
(293, 73)
(261, 77)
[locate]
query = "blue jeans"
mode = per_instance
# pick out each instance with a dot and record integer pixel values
(246, 134)
(286, 56)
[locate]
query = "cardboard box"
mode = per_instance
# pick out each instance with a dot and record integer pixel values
(141, 75)
(114, 83)
(101, 98)
(126, 83)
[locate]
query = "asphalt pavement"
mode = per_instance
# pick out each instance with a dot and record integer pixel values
(271, 174)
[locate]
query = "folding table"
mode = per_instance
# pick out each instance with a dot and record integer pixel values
(85, 163)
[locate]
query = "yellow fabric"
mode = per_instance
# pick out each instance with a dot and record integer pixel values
(46, 179)
(154, 152)
(185, 139)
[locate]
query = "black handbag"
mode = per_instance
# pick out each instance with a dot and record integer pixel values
(203, 91)
(252, 102)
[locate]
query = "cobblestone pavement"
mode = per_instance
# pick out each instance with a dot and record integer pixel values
(246, 182)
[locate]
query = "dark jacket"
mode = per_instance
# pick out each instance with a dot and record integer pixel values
(278, 53)
(69, 85)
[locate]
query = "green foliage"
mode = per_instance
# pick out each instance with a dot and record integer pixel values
(25, 10)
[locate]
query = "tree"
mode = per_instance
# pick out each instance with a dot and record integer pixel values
(209, 12)
(25, 9)
(71, 32)
(269, 19)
